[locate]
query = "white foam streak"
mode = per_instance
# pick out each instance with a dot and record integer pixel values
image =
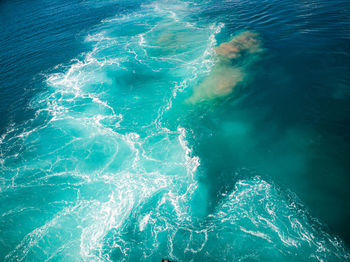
(121, 178)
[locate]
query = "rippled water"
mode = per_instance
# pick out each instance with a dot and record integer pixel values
(106, 156)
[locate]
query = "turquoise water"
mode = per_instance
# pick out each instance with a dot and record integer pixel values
(120, 150)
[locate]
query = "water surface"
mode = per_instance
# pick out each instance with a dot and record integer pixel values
(106, 157)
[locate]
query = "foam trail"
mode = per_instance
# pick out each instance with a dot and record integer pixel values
(103, 177)
(105, 164)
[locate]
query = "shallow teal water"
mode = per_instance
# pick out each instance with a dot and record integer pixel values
(114, 164)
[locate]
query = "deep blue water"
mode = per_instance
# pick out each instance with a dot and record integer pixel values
(126, 136)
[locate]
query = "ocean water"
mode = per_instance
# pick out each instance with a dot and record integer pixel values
(126, 136)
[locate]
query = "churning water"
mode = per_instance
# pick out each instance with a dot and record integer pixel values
(194, 131)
